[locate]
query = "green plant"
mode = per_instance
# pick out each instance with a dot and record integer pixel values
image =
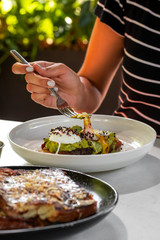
(27, 25)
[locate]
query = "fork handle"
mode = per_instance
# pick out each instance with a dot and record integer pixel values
(20, 59)
(55, 94)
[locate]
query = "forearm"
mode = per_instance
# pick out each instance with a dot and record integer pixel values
(103, 57)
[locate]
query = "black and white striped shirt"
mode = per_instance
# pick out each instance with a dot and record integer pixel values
(139, 22)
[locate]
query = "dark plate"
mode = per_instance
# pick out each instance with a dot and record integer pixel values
(105, 195)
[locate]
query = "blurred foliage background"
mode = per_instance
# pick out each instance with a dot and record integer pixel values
(29, 25)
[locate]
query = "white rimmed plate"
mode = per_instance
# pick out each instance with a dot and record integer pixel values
(137, 137)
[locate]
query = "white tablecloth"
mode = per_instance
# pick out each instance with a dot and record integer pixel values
(137, 214)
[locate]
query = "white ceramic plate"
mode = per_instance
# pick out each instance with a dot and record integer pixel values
(138, 138)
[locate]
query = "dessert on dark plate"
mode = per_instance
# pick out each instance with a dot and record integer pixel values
(31, 198)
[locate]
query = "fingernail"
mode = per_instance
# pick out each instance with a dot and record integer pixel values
(38, 65)
(51, 83)
(55, 89)
(29, 69)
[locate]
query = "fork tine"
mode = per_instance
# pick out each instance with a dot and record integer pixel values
(72, 113)
(64, 112)
(68, 112)
(64, 108)
(61, 110)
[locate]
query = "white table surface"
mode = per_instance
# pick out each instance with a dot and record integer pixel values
(137, 214)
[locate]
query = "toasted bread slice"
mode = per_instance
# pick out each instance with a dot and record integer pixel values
(46, 194)
(78, 151)
(11, 223)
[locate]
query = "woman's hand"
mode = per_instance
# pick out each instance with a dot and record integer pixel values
(45, 75)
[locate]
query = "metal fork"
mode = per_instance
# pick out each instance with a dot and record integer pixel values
(62, 105)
